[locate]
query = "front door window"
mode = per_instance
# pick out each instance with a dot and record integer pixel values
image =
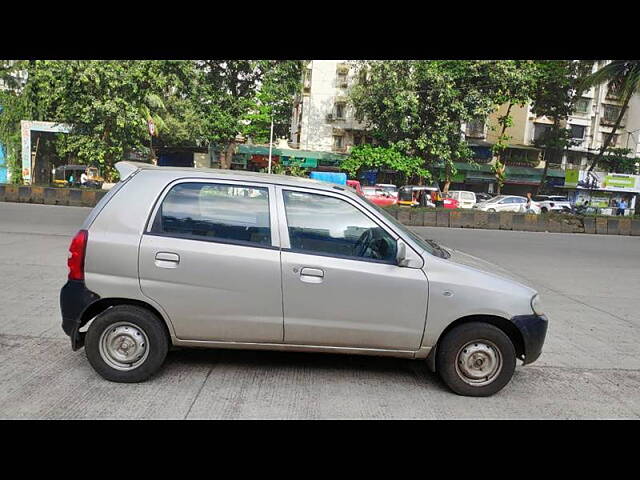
(330, 226)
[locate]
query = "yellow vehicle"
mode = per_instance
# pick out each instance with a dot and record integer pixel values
(71, 176)
(409, 195)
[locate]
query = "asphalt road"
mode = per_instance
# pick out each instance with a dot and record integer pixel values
(590, 367)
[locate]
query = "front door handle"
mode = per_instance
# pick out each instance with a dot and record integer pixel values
(311, 275)
(167, 260)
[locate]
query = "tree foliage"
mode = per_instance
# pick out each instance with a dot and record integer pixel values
(623, 76)
(108, 103)
(556, 91)
(370, 157)
(418, 107)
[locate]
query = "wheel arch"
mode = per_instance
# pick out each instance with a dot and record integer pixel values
(500, 322)
(100, 306)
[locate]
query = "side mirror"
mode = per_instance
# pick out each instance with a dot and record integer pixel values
(401, 254)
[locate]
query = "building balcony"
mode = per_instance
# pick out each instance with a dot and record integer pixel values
(608, 121)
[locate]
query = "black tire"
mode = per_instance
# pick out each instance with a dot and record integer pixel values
(465, 335)
(158, 343)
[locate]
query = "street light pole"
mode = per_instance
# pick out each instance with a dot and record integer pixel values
(270, 144)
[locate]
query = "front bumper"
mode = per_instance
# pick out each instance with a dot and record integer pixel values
(75, 298)
(534, 330)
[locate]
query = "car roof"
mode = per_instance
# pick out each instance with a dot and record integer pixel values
(127, 168)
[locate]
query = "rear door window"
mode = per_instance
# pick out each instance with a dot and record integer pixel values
(215, 212)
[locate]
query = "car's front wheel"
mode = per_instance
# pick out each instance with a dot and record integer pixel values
(475, 359)
(126, 344)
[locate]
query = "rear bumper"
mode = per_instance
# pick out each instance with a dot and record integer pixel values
(534, 330)
(75, 298)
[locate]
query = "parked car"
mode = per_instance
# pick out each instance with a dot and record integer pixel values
(379, 196)
(553, 203)
(228, 259)
(465, 198)
(483, 197)
(507, 203)
(389, 188)
(355, 184)
(450, 202)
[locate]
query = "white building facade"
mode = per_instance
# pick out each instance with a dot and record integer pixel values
(322, 118)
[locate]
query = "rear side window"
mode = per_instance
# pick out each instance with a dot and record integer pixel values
(215, 212)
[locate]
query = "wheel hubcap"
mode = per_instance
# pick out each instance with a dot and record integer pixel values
(124, 346)
(479, 362)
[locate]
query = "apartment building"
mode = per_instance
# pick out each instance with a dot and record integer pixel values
(592, 121)
(322, 118)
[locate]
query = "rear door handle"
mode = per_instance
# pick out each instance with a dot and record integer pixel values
(167, 260)
(311, 275)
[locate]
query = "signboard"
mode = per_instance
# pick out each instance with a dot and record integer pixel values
(611, 182)
(152, 127)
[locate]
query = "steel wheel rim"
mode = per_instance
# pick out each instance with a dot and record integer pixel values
(479, 363)
(124, 346)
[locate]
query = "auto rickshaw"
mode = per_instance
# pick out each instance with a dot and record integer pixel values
(69, 176)
(410, 195)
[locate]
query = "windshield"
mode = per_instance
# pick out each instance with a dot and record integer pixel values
(428, 245)
(496, 199)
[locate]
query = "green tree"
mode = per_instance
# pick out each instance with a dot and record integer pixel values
(623, 76)
(226, 98)
(556, 91)
(618, 160)
(274, 99)
(13, 108)
(368, 156)
(418, 107)
(513, 83)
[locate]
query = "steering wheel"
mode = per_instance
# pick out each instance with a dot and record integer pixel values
(363, 243)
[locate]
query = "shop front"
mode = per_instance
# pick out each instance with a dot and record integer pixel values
(603, 191)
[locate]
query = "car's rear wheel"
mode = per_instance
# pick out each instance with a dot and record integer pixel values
(476, 359)
(126, 344)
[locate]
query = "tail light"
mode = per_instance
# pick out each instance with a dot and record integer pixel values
(77, 251)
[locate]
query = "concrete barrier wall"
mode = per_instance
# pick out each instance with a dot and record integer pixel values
(419, 217)
(79, 197)
(555, 223)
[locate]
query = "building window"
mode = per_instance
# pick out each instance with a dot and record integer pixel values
(582, 105)
(475, 128)
(577, 131)
(340, 110)
(307, 80)
(611, 113)
(613, 91)
(540, 131)
(614, 139)
(342, 79)
(337, 141)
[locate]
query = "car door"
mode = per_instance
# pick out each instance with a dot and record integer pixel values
(210, 257)
(341, 284)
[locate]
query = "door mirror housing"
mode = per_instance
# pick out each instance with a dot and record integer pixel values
(401, 254)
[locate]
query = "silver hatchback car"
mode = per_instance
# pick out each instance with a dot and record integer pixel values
(226, 259)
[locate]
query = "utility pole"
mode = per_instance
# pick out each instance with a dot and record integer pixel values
(270, 143)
